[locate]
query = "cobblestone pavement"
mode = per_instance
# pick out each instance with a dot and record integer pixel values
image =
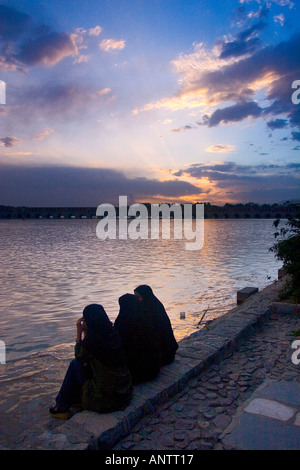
(195, 418)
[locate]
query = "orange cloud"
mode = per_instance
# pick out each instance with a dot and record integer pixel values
(95, 31)
(221, 148)
(103, 92)
(108, 45)
(41, 135)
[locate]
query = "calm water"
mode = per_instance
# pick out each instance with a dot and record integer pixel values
(52, 269)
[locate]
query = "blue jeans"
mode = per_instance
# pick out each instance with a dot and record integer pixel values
(70, 391)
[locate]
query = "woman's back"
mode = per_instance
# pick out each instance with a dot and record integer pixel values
(139, 340)
(105, 388)
(108, 383)
(155, 315)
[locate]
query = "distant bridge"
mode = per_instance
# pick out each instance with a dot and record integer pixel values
(228, 211)
(7, 212)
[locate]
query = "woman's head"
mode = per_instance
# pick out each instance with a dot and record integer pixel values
(101, 340)
(143, 293)
(127, 302)
(96, 318)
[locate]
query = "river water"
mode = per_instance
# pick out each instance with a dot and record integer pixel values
(52, 269)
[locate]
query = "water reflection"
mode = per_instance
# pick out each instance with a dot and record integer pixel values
(51, 269)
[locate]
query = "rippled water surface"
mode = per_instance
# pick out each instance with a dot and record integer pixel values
(51, 269)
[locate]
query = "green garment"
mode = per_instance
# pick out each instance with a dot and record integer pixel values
(108, 389)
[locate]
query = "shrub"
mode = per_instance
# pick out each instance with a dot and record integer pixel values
(287, 249)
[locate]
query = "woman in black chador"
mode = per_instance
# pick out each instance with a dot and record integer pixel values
(138, 339)
(98, 377)
(146, 334)
(155, 314)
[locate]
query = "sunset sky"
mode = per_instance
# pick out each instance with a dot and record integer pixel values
(160, 100)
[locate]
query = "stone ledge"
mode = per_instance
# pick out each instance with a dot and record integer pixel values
(245, 293)
(90, 430)
(286, 308)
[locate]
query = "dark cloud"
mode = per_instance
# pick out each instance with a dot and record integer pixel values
(281, 58)
(205, 120)
(234, 113)
(244, 43)
(277, 124)
(72, 186)
(47, 50)
(296, 136)
(22, 42)
(294, 116)
(295, 166)
(13, 23)
(239, 48)
(258, 183)
(9, 141)
(231, 170)
(253, 30)
(228, 167)
(237, 82)
(220, 171)
(242, 14)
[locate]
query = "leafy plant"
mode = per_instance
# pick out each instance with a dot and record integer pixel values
(287, 249)
(296, 333)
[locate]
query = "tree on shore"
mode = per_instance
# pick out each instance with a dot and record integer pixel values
(287, 249)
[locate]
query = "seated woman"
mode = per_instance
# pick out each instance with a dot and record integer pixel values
(154, 314)
(98, 377)
(138, 339)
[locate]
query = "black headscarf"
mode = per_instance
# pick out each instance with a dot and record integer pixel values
(102, 340)
(156, 317)
(129, 306)
(128, 302)
(130, 321)
(149, 304)
(146, 292)
(154, 311)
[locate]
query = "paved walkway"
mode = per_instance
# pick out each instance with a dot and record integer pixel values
(270, 420)
(250, 400)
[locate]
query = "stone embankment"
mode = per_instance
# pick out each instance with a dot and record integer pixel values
(194, 399)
